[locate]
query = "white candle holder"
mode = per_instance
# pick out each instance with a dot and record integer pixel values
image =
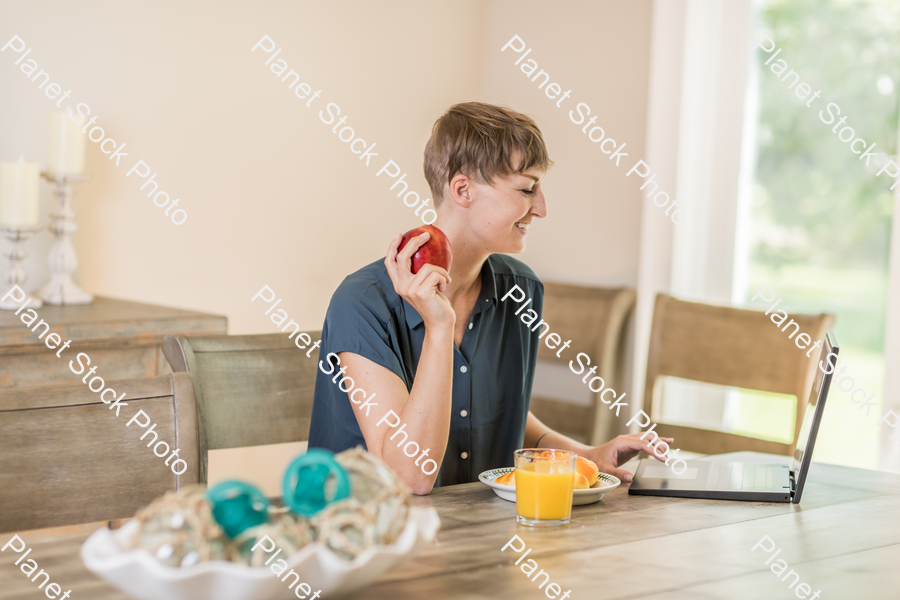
(16, 234)
(61, 290)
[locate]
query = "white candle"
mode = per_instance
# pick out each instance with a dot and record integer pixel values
(19, 193)
(65, 146)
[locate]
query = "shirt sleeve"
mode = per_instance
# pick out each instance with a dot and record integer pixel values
(360, 321)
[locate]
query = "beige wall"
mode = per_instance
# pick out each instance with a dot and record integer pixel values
(272, 196)
(601, 51)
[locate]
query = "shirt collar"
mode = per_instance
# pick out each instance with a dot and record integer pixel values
(488, 287)
(486, 298)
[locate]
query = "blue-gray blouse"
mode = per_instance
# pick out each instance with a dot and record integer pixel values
(493, 369)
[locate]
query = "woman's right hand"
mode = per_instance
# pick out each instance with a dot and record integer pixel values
(424, 290)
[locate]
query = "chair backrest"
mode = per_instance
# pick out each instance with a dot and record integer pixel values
(250, 390)
(733, 347)
(594, 319)
(68, 459)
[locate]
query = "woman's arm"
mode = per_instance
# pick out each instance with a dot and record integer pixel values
(535, 430)
(608, 457)
(425, 409)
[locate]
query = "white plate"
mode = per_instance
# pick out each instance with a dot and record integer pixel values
(139, 575)
(605, 483)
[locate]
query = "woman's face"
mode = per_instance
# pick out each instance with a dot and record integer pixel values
(502, 212)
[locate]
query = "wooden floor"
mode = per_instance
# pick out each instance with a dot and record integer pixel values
(843, 539)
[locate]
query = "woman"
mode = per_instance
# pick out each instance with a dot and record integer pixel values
(446, 365)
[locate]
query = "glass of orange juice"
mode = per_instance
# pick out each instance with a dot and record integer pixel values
(544, 483)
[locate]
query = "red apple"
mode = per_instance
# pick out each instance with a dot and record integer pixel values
(436, 251)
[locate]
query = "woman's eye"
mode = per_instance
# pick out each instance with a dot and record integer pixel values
(528, 192)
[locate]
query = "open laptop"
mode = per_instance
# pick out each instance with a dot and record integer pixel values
(741, 480)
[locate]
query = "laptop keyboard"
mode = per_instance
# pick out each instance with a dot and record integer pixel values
(741, 476)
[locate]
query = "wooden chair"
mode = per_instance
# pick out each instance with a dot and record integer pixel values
(730, 347)
(250, 390)
(594, 319)
(68, 459)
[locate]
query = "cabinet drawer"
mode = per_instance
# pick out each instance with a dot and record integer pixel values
(42, 367)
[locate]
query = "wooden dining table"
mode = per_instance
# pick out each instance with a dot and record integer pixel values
(843, 540)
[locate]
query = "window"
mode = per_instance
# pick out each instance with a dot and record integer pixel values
(818, 225)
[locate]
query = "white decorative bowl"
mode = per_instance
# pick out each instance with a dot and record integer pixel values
(605, 483)
(140, 575)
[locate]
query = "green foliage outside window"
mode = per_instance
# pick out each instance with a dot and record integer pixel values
(820, 223)
(817, 210)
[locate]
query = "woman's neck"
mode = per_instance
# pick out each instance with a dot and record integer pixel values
(464, 279)
(465, 269)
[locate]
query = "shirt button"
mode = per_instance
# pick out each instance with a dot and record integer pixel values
(471, 325)
(463, 413)
(465, 455)
(463, 369)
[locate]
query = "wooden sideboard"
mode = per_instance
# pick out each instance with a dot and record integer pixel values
(122, 338)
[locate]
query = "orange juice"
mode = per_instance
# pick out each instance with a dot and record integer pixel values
(543, 492)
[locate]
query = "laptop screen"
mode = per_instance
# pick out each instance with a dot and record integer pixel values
(812, 416)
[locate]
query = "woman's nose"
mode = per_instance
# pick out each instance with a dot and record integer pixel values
(540, 205)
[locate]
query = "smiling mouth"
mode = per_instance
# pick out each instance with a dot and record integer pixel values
(522, 226)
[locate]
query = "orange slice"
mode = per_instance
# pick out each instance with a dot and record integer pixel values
(588, 469)
(508, 479)
(581, 482)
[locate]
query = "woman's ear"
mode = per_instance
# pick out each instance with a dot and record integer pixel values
(461, 190)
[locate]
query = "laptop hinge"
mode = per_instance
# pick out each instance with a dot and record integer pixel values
(793, 484)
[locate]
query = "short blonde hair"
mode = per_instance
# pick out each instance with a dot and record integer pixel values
(479, 140)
